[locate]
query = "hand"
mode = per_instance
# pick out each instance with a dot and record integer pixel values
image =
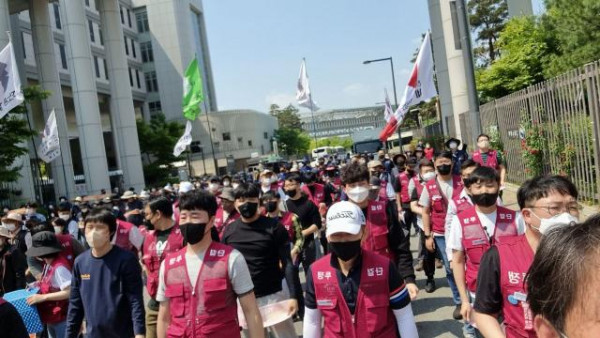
(401, 216)
(465, 311)
(139, 336)
(292, 306)
(413, 290)
(35, 299)
(430, 244)
(294, 254)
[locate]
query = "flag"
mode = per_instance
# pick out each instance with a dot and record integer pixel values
(421, 87)
(192, 91)
(184, 141)
(49, 149)
(389, 111)
(11, 94)
(303, 95)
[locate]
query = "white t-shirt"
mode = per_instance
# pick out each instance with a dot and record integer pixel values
(135, 238)
(61, 278)
(238, 272)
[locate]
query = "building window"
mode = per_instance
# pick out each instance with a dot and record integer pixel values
(249, 143)
(147, 53)
(195, 147)
(96, 66)
(63, 56)
(23, 45)
(142, 21)
(137, 78)
(133, 49)
(226, 137)
(91, 28)
(121, 12)
(455, 29)
(57, 16)
(266, 135)
(87, 3)
(105, 69)
(128, 17)
(100, 37)
(155, 106)
(151, 82)
(126, 46)
(130, 78)
(240, 140)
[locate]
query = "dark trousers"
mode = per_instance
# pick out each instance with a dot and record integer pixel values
(428, 257)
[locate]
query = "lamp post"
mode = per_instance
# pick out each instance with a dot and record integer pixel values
(394, 86)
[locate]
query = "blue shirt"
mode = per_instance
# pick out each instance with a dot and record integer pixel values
(107, 291)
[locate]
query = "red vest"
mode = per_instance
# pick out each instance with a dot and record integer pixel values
(438, 203)
(462, 204)
(372, 317)
(152, 261)
(122, 236)
(221, 223)
(318, 197)
(176, 212)
(209, 309)
(377, 230)
(67, 253)
(516, 257)
(492, 159)
(52, 312)
(404, 180)
(287, 220)
(475, 239)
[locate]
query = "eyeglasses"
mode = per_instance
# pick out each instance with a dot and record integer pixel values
(553, 210)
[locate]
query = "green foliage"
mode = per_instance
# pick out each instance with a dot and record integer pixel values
(487, 19)
(292, 140)
(157, 140)
(523, 48)
(335, 141)
(14, 132)
(533, 146)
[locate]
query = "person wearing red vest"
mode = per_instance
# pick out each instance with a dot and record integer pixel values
(128, 237)
(545, 203)
(385, 234)
(199, 284)
(474, 231)
(55, 285)
(226, 213)
(379, 305)
(434, 200)
(489, 158)
(163, 239)
(289, 220)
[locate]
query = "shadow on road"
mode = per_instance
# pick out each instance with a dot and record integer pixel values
(440, 328)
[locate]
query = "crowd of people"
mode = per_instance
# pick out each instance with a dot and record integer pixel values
(224, 257)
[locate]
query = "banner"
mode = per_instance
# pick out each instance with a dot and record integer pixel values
(49, 149)
(11, 94)
(303, 95)
(184, 141)
(192, 91)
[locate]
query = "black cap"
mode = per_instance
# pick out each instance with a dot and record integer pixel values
(452, 139)
(44, 243)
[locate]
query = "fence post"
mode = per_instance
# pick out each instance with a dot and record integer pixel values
(591, 79)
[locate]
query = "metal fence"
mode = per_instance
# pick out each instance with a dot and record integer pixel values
(565, 111)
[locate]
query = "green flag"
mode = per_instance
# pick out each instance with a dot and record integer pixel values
(192, 91)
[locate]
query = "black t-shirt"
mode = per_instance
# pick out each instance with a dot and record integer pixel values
(264, 243)
(307, 212)
(489, 293)
(349, 285)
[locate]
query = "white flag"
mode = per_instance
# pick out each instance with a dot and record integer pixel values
(11, 94)
(421, 87)
(303, 95)
(389, 111)
(185, 140)
(49, 149)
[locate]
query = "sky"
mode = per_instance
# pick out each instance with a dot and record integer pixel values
(256, 48)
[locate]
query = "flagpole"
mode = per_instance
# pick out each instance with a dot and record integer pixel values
(212, 147)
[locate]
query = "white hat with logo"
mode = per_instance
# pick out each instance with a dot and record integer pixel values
(344, 217)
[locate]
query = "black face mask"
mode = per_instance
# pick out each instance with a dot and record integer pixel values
(192, 232)
(291, 193)
(271, 206)
(345, 250)
(485, 200)
(248, 209)
(444, 169)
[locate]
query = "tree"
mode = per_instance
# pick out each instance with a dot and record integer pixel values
(487, 19)
(524, 50)
(573, 27)
(157, 140)
(14, 133)
(292, 140)
(334, 141)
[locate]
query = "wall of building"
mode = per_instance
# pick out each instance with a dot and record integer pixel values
(343, 122)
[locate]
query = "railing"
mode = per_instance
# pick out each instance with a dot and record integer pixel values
(564, 112)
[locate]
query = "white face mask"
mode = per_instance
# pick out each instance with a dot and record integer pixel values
(64, 216)
(10, 226)
(358, 194)
(274, 179)
(96, 239)
(58, 230)
(453, 145)
(428, 176)
(226, 183)
(235, 185)
(213, 186)
(265, 182)
(560, 220)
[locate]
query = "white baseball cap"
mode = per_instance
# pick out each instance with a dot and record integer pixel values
(185, 186)
(344, 217)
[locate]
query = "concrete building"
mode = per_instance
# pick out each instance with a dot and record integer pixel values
(86, 54)
(237, 136)
(342, 122)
